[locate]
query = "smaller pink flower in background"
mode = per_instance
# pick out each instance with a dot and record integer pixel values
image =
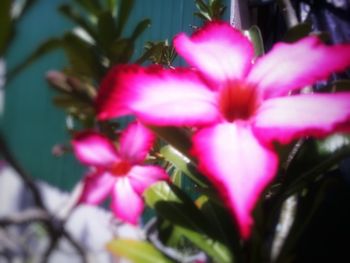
(239, 104)
(119, 172)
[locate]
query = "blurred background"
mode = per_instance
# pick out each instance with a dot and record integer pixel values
(31, 124)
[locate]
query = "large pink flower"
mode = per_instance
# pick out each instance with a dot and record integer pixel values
(239, 103)
(118, 171)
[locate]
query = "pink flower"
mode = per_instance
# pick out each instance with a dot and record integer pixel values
(240, 104)
(118, 171)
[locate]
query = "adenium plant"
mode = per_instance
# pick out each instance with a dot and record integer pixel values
(239, 105)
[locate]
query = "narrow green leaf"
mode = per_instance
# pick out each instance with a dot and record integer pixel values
(107, 31)
(160, 192)
(123, 15)
(113, 6)
(136, 251)
(218, 251)
(6, 24)
(74, 16)
(120, 51)
(91, 6)
(140, 28)
(255, 37)
(182, 163)
(82, 56)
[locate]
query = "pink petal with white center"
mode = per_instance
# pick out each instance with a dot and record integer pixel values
(92, 148)
(142, 177)
(239, 166)
(108, 103)
(135, 143)
(96, 187)
(163, 96)
(218, 50)
(288, 118)
(292, 66)
(126, 204)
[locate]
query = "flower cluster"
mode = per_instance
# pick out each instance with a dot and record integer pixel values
(239, 105)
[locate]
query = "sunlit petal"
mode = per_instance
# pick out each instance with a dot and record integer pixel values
(142, 177)
(218, 50)
(126, 204)
(287, 118)
(135, 143)
(110, 102)
(96, 187)
(293, 66)
(92, 148)
(238, 165)
(163, 97)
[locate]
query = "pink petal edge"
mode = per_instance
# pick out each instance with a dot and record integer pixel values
(135, 143)
(293, 66)
(142, 177)
(287, 118)
(92, 148)
(126, 204)
(163, 96)
(217, 50)
(238, 165)
(96, 187)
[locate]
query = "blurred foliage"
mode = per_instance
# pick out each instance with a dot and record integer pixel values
(210, 10)
(11, 11)
(95, 44)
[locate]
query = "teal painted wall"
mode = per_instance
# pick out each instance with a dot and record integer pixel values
(31, 124)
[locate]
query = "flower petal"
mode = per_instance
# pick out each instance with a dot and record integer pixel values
(92, 148)
(238, 165)
(97, 186)
(135, 143)
(288, 118)
(162, 96)
(293, 66)
(108, 103)
(218, 50)
(126, 204)
(141, 177)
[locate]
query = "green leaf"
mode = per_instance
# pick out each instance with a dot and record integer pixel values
(140, 28)
(332, 143)
(120, 51)
(91, 6)
(136, 251)
(160, 192)
(46, 47)
(216, 250)
(113, 6)
(123, 15)
(221, 222)
(82, 57)
(74, 16)
(182, 163)
(255, 37)
(107, 31)
(172, 205)
(6, 24)
(297, 32)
